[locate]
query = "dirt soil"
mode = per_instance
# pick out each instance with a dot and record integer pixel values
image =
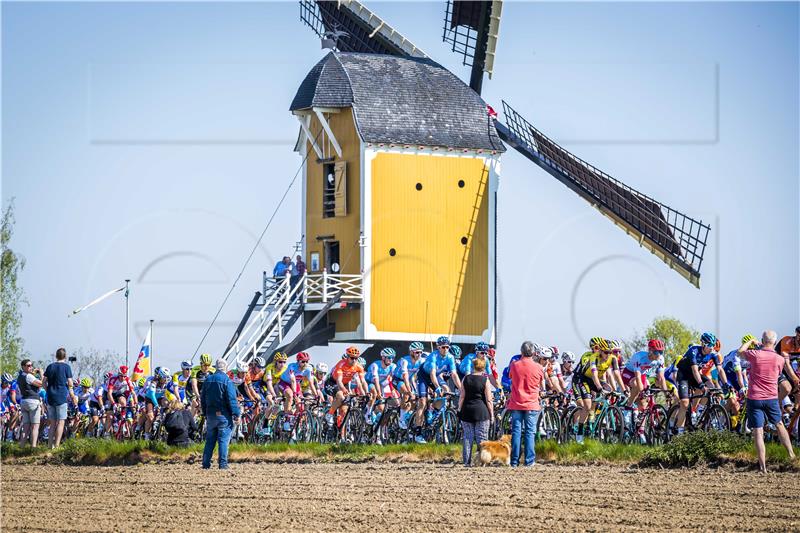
(392, 497)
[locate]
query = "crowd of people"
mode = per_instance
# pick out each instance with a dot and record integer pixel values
(758, 381)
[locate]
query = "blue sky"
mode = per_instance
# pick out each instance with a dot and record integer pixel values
(152, 141)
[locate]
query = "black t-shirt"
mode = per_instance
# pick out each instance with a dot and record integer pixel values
(178, 424)
(475, 407)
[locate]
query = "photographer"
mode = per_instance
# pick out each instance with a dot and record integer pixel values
(58, 382)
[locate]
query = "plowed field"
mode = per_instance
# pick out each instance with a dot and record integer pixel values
(392, 498)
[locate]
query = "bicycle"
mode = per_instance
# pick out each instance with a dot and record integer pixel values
(712, 417)
(441, 424)
(608, 424)
(549, 424)
(350, 426)
(651, 424)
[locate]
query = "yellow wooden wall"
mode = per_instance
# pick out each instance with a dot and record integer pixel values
(425, 228)
(347, 229)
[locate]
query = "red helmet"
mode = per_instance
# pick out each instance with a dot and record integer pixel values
(554, 349)
(108, 375)
(492, 353)
(123, 369)
(655, 345)
(303, 357)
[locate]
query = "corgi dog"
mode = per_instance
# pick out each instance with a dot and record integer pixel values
(496, 450)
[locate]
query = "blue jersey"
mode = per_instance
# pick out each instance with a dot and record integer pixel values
(732, 364)
(407, 364)
(467, 365)
(293, 369)
(6, 393)
(505, 380)
(441, 366)
(383, 373)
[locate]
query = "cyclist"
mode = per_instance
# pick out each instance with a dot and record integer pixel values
(9, 397)
(199, 375)
(455, 350)
(320, 376)
(437, 369)
(468, 363)
(567, 360)
(405, 376)
(296, 373)
(737, 381)
(120, 389)
(256, 371)
(688, 375)
(183, 380)
(83, 393)
(554, 380)
(640, 367)
(789, 347)
(379, 381)
(338, 383)
(97, 404)
(161, 386)
(272, 376)
(593, 366)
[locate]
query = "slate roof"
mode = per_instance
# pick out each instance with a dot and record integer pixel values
(400, 100)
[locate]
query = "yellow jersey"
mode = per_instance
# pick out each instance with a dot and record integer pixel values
(590, 361)
(274, 373)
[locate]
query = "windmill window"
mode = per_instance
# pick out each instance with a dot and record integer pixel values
(392, 252)
(464, 241)
(334, 189)
(461, 184)
(419, 186)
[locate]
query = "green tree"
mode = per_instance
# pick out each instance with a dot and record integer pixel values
(676, 336)
(12, 297)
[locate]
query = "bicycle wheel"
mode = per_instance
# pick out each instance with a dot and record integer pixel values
(610, 426)
(569, 432)
(354, 425)
(655, 426)
(447, 432)
(672, 421)
(505, 425)
(389, 429)
(303, 429)
(549, 426)
(716, 419)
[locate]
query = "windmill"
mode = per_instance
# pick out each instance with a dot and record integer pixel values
(401, 164)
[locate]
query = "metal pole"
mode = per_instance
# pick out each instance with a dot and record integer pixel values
(127, 323)
(152, 351)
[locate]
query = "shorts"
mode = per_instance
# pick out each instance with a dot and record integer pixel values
(686, 383)
(585, 389)
(283, 386)
(423, 384)
(758, 410)
(31, 411)
(57, 412)
(95, 409)
(118, 395)
(330, 388)
(627, 376)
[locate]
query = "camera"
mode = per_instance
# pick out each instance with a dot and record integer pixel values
(72, 359)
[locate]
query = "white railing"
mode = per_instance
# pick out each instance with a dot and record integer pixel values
(265, 323)
(322, 287)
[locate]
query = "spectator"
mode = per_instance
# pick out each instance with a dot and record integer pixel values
(762, 394)
(29, 382)
(280, 270)
(178, 423)
(298, 269)
(475, 409)
(58, 384)
(526, 380)
(220, 408)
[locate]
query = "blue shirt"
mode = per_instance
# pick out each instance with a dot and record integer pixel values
(505, 380)
(219, 394)
(57, 375)
(407, 364)
(383, 373)
(442, 366)
(279, 271)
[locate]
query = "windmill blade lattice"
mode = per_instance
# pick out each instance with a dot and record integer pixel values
(677, 239)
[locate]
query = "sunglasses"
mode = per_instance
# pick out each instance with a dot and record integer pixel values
(659, 352)
(417, 352)
(446, 347)
(711, 346)
(354, 358)
(484, 353)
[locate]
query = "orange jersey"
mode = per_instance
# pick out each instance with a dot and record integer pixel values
(253, 377)
(346, 370)
(789, 345)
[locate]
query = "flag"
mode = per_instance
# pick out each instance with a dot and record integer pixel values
(142, 367)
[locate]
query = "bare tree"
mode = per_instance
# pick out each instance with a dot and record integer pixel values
(93, 363)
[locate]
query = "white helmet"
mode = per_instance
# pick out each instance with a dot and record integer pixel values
(567, 357)
(545, 352)
(322, 367)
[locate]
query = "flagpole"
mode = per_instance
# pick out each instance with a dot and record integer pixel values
(127, 324)
(152, 352)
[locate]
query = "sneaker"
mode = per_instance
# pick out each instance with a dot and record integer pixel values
(368, 418)
(419, 439)
(579, 439)
(642, 439)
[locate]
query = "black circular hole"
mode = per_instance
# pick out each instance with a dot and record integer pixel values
(419, 186)
(461, 184)
(463, 240)
(392, 252)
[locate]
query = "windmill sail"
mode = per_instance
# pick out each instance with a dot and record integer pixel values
(675, 238)
(364, 31)
(471, 29)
